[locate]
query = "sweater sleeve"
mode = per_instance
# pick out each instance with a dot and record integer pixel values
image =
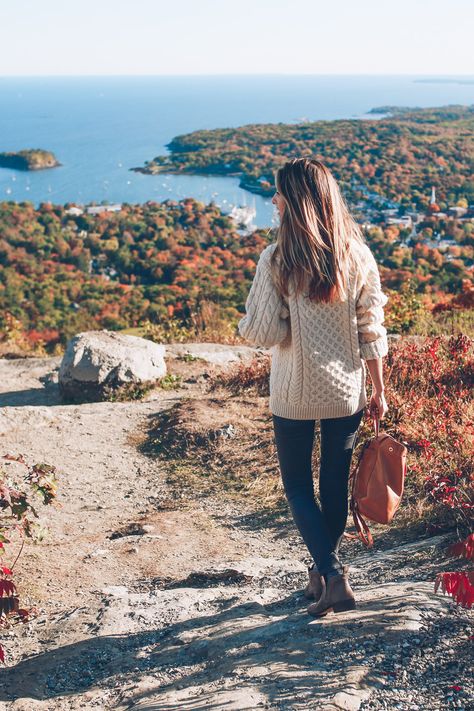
(266, 320)
(371, 299)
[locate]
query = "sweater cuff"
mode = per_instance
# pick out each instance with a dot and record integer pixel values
(374, 349)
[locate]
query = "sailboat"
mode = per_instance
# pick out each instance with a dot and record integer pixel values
(244, 214)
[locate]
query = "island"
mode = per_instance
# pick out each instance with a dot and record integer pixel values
(30, 159)
(400, 156)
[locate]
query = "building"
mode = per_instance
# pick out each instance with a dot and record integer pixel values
(457, 211)
(75, 211)
(403, 221)
(98, 209)
(433, 206)
(244, 216)
(390, 212)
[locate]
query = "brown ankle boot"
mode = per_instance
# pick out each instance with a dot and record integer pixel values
(337, 595)
(314, 588)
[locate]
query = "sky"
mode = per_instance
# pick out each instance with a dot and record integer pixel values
(153, 37)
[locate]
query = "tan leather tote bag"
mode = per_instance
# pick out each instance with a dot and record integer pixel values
(377, 482)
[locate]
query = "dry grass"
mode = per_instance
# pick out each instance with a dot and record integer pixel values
(218, 443)
(222, 440)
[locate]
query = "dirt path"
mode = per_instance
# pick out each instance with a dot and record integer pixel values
(149, 603)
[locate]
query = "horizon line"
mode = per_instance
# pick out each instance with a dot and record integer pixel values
(236, 74)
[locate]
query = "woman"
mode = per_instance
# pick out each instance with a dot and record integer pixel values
(316, 301)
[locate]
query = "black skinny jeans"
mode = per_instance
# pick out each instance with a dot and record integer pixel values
(321, 527)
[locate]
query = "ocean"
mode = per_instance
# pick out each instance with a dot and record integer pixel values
(99, 127)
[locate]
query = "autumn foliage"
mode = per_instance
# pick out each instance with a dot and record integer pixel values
(180, 262)
(399, 156)
(460, 584)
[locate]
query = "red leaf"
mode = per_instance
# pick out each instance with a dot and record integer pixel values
(459, 585)
(6, 571)
(463, 548)
(2, 655)
(7, 588)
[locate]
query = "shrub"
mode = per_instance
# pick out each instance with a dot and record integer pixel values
(17, 522)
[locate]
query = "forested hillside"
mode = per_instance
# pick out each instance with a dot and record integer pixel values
(399, 157)
(62, 272)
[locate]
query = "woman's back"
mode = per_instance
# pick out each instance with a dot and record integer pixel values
(318, 349)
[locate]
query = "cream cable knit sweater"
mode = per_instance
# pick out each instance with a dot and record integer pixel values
(317, 350)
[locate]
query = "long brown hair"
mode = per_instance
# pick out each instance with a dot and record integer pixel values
(315, 234)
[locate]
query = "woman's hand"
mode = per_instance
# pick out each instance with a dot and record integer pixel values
(377, 405)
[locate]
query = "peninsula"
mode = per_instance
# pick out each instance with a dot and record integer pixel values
(30, 159)
(399, 156)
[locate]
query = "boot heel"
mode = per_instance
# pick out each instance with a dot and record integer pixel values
(344, 605)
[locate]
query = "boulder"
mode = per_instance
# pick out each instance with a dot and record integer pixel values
(96, 361)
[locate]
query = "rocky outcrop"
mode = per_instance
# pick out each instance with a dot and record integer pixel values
(96, 361)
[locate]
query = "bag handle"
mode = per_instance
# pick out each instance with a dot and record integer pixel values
(376, 423)
(362, 528)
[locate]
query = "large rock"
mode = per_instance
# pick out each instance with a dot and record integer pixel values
(98, 360)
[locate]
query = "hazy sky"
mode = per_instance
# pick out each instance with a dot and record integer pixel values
(238, 37)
